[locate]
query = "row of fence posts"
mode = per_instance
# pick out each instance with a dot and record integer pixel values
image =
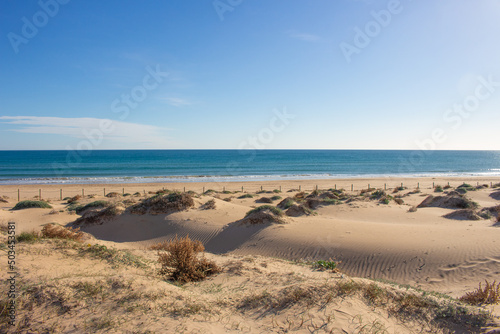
(224, 189)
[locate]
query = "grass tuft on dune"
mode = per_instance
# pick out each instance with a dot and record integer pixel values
(32, 204)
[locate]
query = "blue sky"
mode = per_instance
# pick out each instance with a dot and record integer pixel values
(215, 74)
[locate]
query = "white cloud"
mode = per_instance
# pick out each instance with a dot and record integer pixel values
(121, 134)
(175, 101)
(305, 37)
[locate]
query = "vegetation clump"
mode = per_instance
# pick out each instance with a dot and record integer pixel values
(245, 196)
(209, 192)
(113, 256)
(325, 265)
(28, 237)
(463, 214)
(32, 204)
(73, 199)
(264, 200)
(449, 202)
(209, 205)
(159, 204)
(180, 262)
(57, 231)
(93, 205)
(261, 208)
(113, 194)
(286, 203)
(264, 214)
(299, 210)
(99, 217)
(490, 294)
(299, 196)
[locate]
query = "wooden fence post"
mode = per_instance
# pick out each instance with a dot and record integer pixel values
(61, 194)
(40, 194)
(352, 187)
(83, 192)
(104, 191)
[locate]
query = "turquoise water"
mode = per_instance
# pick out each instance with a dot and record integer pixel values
(31, 167)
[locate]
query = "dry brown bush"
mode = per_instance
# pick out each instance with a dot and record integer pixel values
(181, 263)
(490, 294)
(113, 194)
(61, 232)
(300, 195)
(74, 199)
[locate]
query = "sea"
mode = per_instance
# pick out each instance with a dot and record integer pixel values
(148, 166)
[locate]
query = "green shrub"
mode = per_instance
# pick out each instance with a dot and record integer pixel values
(438, 189)
(275, 198)
(271, 208)
(286, 203)
(159, 204)
(32, 204)
(113, 256)
(325, 265)
(27, 237)
(95, 204)
(246, 196)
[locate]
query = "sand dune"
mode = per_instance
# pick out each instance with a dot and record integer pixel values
(368, 238)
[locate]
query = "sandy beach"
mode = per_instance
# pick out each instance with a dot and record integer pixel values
(368, 239)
